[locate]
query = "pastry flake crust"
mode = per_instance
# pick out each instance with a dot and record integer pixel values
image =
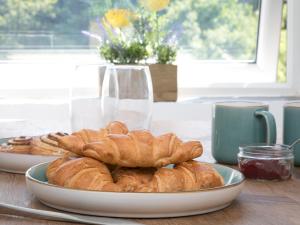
(82, 173)
(142, 149)
(76, 141)
(186, 176)
(89, 174)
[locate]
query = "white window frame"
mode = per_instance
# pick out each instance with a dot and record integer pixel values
(266, 63)
(267, 58)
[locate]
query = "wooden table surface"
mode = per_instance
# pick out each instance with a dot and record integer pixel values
(261, 202)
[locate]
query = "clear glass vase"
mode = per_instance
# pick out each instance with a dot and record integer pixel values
(127, 96)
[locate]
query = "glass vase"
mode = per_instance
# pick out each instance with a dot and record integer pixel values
(127, 96)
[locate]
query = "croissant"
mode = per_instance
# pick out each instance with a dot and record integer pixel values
(77, 140)
(89, 174)
(53, 166)
(82, 173)
(186, 176)
(142, 149)
(20, 145)
(132, 179)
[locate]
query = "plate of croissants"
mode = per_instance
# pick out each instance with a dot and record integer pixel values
(121, 173)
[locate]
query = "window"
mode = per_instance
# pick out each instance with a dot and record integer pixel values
(281, 68)
(225, 46)
(206, 30)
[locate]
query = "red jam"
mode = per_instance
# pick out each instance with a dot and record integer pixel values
(266, 162)
(267, 169)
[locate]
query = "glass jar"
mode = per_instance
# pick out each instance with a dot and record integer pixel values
(272, 162)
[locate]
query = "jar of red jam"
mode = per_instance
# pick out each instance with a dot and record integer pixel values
(266, 162)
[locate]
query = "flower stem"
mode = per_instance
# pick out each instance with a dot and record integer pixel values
(157, 29)
(143, 29)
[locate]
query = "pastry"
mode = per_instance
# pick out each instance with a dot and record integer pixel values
(89, 174)
(82, 173)
(77, 140)
(186, 176)
(51, 170)
(132, 179)
(47, 145)
(17, 145)
(142, 149)
(41, 145)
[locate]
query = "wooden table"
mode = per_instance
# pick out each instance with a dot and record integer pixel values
(261, 202)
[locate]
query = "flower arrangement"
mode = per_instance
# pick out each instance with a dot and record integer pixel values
(135, 36)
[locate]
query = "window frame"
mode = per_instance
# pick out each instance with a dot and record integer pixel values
(293, 56)
(266, 63)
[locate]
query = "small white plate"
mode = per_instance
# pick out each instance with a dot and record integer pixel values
(135, 205)
(20, 163)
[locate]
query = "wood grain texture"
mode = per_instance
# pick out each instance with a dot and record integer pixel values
(261, 202)
(164, 81)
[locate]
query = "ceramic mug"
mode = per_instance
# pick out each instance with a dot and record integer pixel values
(240, 123)
(291, 127)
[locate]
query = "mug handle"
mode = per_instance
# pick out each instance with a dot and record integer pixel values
(271, 125)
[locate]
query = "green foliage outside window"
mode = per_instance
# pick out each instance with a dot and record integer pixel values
(217, 29)
(281, 70)
(205, 29)
(210, 29)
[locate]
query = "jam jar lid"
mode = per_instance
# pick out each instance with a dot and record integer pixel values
(264, 151)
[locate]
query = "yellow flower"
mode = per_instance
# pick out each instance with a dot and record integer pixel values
(118, 18)
(155, 5)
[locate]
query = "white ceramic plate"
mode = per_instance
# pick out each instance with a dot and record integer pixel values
(20, 163)
(135, 205)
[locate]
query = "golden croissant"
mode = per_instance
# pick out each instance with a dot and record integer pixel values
(89, 174)
(77, 140)
(82, 173)
(186, 176)
(133, 179)
(142, 149)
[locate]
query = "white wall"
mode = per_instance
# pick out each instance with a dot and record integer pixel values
(42, 117)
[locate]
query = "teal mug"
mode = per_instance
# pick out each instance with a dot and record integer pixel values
(240, 123)
(291, 127)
